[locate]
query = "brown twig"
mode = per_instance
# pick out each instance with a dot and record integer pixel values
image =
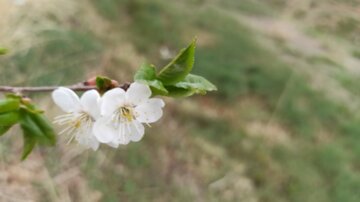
(77, 87)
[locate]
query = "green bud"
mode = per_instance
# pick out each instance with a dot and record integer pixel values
(103, 84)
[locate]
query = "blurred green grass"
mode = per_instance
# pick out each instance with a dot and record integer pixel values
(68, 51)
(320, 162)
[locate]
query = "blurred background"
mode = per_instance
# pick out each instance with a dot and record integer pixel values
(283, 126)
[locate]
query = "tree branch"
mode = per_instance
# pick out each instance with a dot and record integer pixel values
(77, 87)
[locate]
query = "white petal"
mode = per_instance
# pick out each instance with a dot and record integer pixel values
(104, 132)
(95, 145)
(113, 144)
(137, 93)
(123, 133)
(112, 100)
(157, 101)
(136, 131)
(90, 103)
(66, 99)
(150, 111)
(88, 140)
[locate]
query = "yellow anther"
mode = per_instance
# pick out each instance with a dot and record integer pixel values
(77, 124)
(127, 113)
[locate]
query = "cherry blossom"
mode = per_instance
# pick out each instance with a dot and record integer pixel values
(124, 113)
(81, 114)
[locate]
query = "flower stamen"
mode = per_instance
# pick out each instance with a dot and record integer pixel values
(76, 122)
(124, 114)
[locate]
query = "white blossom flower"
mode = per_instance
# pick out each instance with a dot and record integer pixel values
(80, 116)
(123, 114)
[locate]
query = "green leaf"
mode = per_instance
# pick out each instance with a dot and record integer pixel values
(179, 92)
(157, 87)
(192, 84)
(45, 127)
(36, 128)
(174, 79)
(146, 72)
(3, 51)
(13, 96)
(196, 83)
(147, 75)
(4, 129)
(10, 118)
(179, 67)
(9, 114)
(9, 104)
(28, 125)
(41, 126)
(29, 144)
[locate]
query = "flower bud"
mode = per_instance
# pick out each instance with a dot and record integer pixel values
(90, 82)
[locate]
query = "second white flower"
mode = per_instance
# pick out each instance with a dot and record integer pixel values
(124, 112)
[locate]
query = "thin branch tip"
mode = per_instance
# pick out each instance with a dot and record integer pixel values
(34, 89)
